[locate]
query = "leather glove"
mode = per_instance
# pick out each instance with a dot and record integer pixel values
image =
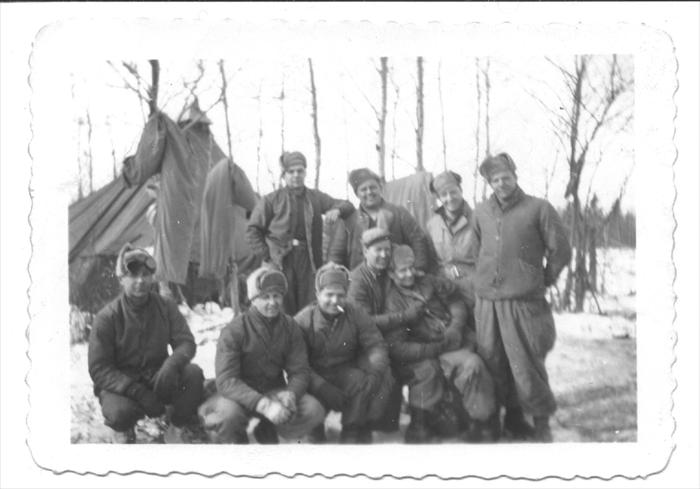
(273, 410)
(331, 397)
(167, 379)
(146, 398)
(288, 400)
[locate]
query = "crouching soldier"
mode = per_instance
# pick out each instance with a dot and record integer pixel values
(350, 365)
(434, 355)
(128, 356)
(253, 354)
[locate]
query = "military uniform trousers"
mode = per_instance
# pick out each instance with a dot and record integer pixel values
(121, 413)
(299, 272)
(514, 338)
(226, 421)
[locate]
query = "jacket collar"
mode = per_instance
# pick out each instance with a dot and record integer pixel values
(466, 213)
(514, 200)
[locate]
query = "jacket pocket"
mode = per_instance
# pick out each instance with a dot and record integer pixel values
(538, 326)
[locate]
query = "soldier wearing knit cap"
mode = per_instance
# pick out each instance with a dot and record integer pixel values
(519, 246)
(133, 374)
(349, 361)
(286, 229)
(436, 345)
(253, 355)
(345, 247)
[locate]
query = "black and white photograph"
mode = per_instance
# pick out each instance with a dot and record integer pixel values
(386, 249)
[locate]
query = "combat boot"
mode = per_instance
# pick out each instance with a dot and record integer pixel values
(488, 431)
(543, 433)
(317, 436)
(515, 424)
(266, 433)
(124, 437)
(350, 435)
(418, 430)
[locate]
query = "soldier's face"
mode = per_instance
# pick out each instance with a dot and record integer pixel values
(370, 194)
(269, 304)
(405, 275)
(331, 299)
(378, 255)
(451, 197)
(294, 176)
(503, 184)
(137, 283)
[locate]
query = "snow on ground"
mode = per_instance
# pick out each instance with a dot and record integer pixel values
(592, 368)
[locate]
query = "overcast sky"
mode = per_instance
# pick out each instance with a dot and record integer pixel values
(347, 89)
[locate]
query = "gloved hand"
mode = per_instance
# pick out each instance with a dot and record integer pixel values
(414, 312)
(146, 398)
(332, 216)
(166, 380)
(331, 397)
(288, 400)
(273, 410)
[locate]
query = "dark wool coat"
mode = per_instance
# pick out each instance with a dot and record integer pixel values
(368, 292)
(129, 344)
(519, 249)
(253, 354)
(269, 230)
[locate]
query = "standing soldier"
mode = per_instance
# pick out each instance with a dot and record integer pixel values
(286, 229)
(349, 361)
(450, 231)
(374, 211)
(520, 246)
(128, 354)
(261, 371)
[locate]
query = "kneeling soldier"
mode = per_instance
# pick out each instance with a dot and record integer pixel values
(128, 354)
(253, 354)
(350, 365)
(437, 341)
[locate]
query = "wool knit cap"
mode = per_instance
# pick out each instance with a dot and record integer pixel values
(493, 164)
(402, 256)
(288, 160)
(129, 257)
(443, 180)
(265, 280)
(374, 235)
(332, 274)
(360, 175)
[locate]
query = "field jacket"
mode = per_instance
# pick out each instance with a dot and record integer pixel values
(269, 230)
(451, 241)
(340, 341)
(130, 343)
(253, 354)
(519, 249)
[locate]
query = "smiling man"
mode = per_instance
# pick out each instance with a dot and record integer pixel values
(374, 211)
(262, 371)
(286, 229)
(349, 361)
(128, 356)
(520, 247)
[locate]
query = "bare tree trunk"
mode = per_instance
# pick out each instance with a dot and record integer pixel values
(114, 165)
(153, 92)
(381, 144)
(258, 151)
(88, 153)
(393, 130)
(592, 261)
(477, 153)
(419, 115)
(314, 117)
(224, 99)
(487, 119)
(281, 99)
(442, 117)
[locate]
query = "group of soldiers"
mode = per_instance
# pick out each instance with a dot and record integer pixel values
(456, 312)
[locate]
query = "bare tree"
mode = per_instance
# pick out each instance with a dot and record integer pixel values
(381, 144)
(88, 151)
(281, 99)
(393, 127)
(224, 100)
(314, 118)
(487, 117)
(477, 152)
(420, 115)
(442, 117)
(595, 89)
